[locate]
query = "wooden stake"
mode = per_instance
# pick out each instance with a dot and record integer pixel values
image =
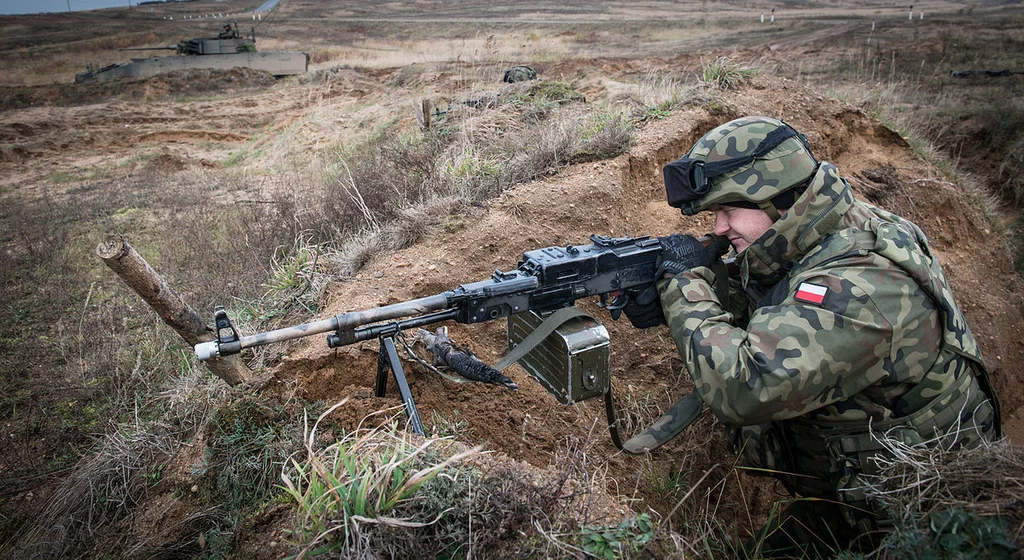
(120, 257)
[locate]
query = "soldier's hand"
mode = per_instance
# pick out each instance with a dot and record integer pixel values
(644, 308)
(683, 252)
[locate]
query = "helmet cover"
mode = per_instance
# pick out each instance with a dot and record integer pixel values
(787, 165)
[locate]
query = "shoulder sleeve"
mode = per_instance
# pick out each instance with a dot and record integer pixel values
(825, 342)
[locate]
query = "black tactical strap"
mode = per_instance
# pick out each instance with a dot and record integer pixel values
(671, 424)
(721, 270)
(770, 142)
(613, 423)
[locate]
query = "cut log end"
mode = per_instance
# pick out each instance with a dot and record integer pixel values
(112, 248)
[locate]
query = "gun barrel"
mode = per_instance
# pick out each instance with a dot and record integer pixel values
(148, 49)
(351, 320)
(343, 324)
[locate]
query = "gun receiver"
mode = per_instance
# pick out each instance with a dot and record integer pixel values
(544, 280)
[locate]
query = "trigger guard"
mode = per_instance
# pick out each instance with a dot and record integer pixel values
(618, 302)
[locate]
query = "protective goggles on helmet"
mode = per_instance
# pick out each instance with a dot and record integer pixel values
(688, 179)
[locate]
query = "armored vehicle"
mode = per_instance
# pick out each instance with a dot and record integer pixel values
(225, 51)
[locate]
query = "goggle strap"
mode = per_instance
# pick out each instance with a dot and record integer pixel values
(770, 142)
(771, 210)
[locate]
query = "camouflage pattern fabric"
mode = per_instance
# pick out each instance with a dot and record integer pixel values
(850, 329)
(789, 164)
(519, 74)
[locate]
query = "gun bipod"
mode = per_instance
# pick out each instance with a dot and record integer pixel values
(387, 359)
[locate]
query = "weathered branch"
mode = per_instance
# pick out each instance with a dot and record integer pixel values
(120, 257)
(461, 360)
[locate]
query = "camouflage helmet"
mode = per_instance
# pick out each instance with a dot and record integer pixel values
(746, 162)
(519, 74)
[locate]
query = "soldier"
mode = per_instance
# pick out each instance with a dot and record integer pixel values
(227, 32)
(838, 328)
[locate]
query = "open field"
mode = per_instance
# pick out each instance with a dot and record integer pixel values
(308, 196)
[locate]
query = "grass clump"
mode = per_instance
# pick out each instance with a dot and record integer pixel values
(248, 442)
(951, 503)
(546, 95)
(105, 485)
(951, 533)
(655, 96)
(382, 491)
(102, 489)
(724, 73)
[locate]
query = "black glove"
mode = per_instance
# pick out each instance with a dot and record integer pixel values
(683, 252)
(643, 309)
(680, 253)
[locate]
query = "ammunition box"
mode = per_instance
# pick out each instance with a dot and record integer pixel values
(572, 363)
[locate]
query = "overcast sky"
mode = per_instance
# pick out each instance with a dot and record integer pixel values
(37, 6)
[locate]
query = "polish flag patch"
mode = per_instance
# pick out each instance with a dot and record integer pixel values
(811, 293)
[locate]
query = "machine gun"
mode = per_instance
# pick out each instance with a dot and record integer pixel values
(559, 345)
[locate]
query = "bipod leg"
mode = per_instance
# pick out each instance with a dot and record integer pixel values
(388, 359)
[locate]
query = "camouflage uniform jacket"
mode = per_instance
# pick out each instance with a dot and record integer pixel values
(840, 320)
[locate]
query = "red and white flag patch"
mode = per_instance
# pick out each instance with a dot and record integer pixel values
(811, 293)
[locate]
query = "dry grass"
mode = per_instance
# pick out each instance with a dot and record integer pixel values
(381, 491)
(295, 209)
(916, 481)
(105, 486)
(724, 72)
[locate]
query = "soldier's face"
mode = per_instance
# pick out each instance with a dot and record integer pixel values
(741, 225)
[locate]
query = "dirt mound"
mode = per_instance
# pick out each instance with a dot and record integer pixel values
(624, 197)
(173, 84)
(165, 163)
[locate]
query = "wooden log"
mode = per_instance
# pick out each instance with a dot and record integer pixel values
(120, 257)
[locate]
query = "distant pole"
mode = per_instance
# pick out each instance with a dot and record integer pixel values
(69, 6)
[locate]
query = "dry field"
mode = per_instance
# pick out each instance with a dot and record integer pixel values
(312, 195)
